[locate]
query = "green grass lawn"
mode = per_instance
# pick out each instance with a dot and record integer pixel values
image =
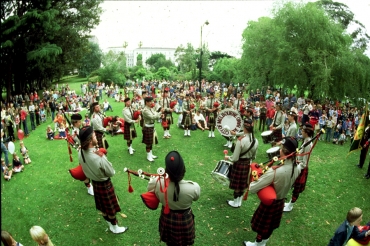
(46, 195)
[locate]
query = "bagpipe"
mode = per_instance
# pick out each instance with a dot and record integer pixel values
(149, 198)
(267, 195)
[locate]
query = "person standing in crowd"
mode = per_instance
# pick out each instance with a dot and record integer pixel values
(300, 183)
(23, 114)
(149, 134)
(52, 106)
(39, 235)
(4, 149)
(129, 133)
(238, 102)
(245, 151)
(267, 217)
(270, 115)
(306, 109)
(97, 168)
(9, 125)
(365, 143)
(97, 124)
(278, 123)
(211, 114)
(167, 114)
(187, 115)
(292, 130)
(176, 223)
(349, 229)
(263, 116)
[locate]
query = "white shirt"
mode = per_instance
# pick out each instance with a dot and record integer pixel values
(199, 117)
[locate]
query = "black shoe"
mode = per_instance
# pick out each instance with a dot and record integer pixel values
(359, 166)
(367, 176)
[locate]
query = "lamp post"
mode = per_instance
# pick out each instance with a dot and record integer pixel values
(201, 56)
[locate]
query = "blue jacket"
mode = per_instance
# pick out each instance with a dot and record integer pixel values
(340, 236)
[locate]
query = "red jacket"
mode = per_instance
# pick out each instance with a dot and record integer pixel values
(23, 115)
(270, 113)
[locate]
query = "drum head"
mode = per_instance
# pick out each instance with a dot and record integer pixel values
(227, 120)
(266, 133)
(222, 179)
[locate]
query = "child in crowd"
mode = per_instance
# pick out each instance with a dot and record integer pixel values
(17, 164)
(24, 152)
(322, 123)
(342, 138)
(39, 235)
(86, 121)
(42, 115)
(336, 136)
(6, 172)
(17, 120)
(8, 240)
(286, 127)
(49, 133)
(62, 131)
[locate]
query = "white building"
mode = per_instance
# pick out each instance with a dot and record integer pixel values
(146, 52)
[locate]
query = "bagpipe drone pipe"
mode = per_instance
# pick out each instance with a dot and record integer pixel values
(149, 198)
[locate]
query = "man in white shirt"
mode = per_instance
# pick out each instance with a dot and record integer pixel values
(201, 122)
(107, 106)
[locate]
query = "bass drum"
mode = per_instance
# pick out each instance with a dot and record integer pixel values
(228, 120)
(221, 172)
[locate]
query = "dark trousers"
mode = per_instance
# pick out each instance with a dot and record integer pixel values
(32, 119)
(25, 128)
(363, 156)
(262, 123)
(305, 119)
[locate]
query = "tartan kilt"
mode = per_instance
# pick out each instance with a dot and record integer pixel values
(238, 174)
(102, 142)
(277, 135)
(105, 198)
(148, 136)
(186, 119)
(212, 118)
(177, 228)
(128, 132)
(168, 118)
(267, 218)
(300, 182)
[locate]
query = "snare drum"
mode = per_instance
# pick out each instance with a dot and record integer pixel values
(221, 172)
(267, 137)
(272, 152)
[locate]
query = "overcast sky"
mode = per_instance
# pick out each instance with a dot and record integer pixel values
(171, 23)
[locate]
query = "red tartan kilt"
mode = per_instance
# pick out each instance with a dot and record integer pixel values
(238, 175)
(277, 135)
(126, 132)
(267, 218)
(168, 118)
(105, 198)
(177, 228)
(99, 138)
(300, 182)
(78, 173)
(148, 133)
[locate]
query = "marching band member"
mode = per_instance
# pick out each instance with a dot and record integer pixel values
(300, 183)
(187, 115)
(238, 102)
(267, 217)
(229, 142)
(278, 123)
(167, 114)
(97, 167)
(292, 130)
(176, 226)
(245, 151)
(149, 134)
(211, 113)
(365, 142)
(76, 124)
(129, 129)
(97, 124)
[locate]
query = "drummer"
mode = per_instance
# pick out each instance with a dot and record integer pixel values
(245, 151)
(292, 130)
(277, 123)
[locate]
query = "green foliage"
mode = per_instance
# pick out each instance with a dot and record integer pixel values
(163, 73)
(139, 60)
(140, 73)
(91, 60)
(225, 69)
(156, 61)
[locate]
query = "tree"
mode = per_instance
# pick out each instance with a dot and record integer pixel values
(185, 57)
(43, 40)
(214, 56)
(139, 60)
(114, 68)
(225, 69)
(158, 60)
(91, 60)
(163, 73)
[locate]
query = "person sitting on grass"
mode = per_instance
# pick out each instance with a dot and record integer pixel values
(24, 152)
(8, 240)
(86, 122)
(201, 122)
(62, 131)
(6, 172)
(17, 164)
(49, 133)
(349, 229)
(342, 138)
(336, 136)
